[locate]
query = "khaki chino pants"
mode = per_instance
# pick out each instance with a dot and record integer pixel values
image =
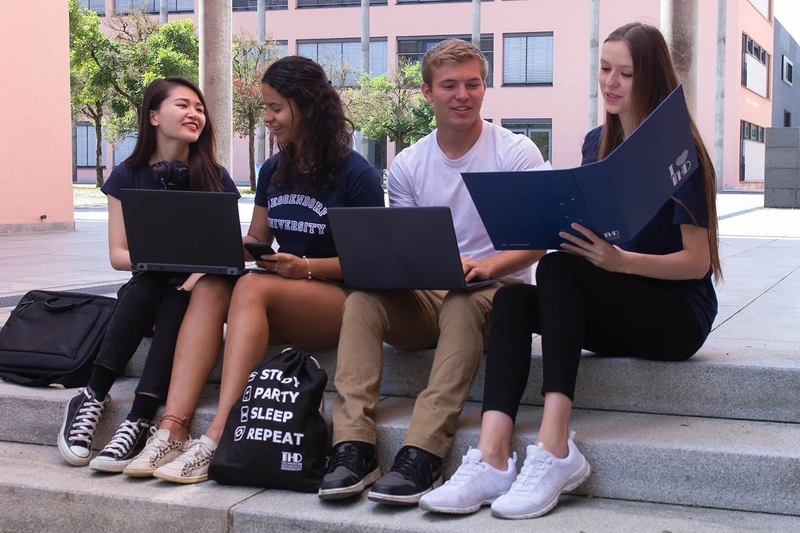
(455, 322)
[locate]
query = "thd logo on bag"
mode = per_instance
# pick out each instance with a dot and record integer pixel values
(292, 462)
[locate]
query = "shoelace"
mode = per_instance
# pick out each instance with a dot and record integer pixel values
(408, 463)
(532, 469)
(124, 438)
(345, 456)
(197, 454)
(465, 472)
(86, 421)
(157, 448)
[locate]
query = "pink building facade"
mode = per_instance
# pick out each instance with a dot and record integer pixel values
(539, 56)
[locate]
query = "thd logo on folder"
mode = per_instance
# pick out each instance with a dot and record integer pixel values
(683, 168)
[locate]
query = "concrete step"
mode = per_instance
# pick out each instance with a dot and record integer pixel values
(719, 463)
(41, 493)
(726, 379)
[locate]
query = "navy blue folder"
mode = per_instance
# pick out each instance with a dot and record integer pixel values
(615, 197)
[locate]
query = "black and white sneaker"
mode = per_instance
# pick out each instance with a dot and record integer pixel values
(352, 468)
(128, 442)
(414, 473)
(77, 431)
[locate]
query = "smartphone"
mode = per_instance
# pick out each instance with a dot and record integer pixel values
(257, 249)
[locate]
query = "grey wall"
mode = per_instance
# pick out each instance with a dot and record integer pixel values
(785, 97)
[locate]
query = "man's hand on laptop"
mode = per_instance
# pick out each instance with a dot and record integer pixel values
(474, 270)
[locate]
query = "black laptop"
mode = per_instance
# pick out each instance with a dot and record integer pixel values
(398, 248)
(183, 231)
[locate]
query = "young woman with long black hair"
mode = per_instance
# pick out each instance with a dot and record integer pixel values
(174, 150)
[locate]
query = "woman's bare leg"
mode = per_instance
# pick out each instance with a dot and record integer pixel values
(197, 350)
(554, 429)
(305, 313)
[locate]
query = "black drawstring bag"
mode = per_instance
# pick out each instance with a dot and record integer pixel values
(275, 436)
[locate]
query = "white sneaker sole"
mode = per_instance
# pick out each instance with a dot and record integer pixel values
(103, 464)
(467, 509)
(572, 483)
(393, 499)
(181, 479)
(353, 490)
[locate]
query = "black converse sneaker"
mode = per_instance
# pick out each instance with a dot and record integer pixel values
(128, 442)
(352, 468)
(414, 473)
(77, 431)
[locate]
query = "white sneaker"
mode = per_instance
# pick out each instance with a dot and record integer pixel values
(540, 482)
(158, 451)
(192, 465)
(473, 485)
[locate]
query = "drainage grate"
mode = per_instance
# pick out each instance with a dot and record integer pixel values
(12, 301)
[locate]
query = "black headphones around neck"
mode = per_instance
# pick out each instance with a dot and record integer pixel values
(170, 175)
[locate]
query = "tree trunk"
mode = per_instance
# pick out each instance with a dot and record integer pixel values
(251, 153)
(398, 143)
(98, 133)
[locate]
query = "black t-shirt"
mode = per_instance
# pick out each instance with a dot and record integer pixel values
(139, 177)
(298, 213)
(662, 236)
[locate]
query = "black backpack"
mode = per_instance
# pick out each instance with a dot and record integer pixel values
(275, 436)
(54, 337)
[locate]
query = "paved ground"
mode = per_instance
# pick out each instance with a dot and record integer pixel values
(759, 298)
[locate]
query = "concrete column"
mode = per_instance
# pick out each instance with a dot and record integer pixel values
(594, 60)
(679, 26)
(363, 146)
(782, 172)
(216, 75)
(476, 23)
(163, 12)
(261, 11)
(719, 111)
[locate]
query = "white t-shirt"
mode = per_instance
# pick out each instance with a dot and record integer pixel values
(422, 175)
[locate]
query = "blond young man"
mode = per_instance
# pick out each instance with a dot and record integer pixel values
(427, 174)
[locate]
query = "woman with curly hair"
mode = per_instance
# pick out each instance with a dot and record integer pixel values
(295, 301)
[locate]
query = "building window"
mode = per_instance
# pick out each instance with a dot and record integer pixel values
(434, 1)
(153, 6)
(787, 119)
(540, 131)
(252, 5)
(87, 146)
(762, 6)
(98, 6)
(528, 59)
(124, 149)
(337, 3)
(341, 59)
(787, 70)
(755, 66)
(413, 48)
(752, 152)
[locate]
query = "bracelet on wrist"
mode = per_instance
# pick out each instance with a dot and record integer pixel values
(308, 264)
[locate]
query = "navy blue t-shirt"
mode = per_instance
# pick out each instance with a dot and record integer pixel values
(662, 236)
(298, 213)
(139, 177)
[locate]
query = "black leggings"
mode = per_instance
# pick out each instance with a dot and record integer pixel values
(148, 299)
(576, 305)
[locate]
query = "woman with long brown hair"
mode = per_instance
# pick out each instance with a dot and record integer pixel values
(174, 150)
(652, 297)
(294, 301)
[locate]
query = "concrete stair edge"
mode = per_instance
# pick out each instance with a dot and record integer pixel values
(707, 462)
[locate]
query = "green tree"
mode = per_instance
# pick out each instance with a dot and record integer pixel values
(251, 58)
(142, 52)
(392, 106)
(89, 83)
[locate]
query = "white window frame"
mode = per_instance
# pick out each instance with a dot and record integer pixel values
(787, 71)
